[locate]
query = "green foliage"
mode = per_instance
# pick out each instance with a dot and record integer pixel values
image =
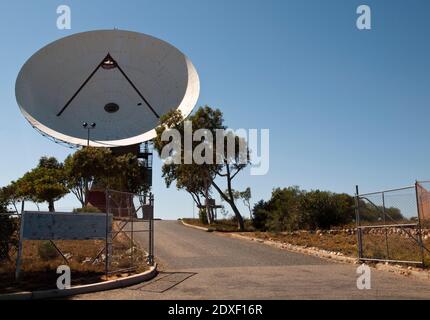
(4, 200)
(203, 217)
(372, 213)
(284, 208)
(245, 196)
(293, 209)
(99, 165)
(84, 167)
(197, 179)
(8, 236)
(128, 174)
(45, 183)
(10, 196)
(47, 251)
(323, 210)
(87, 209)
(260, 215)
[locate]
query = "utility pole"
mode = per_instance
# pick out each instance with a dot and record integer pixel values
(89, 127)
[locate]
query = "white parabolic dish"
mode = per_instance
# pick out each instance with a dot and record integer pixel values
(123, 81)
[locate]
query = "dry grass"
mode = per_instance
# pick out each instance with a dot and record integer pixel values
(38, 274)
(339, 243)
(374, 246)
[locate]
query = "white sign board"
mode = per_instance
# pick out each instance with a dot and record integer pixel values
(65, 226)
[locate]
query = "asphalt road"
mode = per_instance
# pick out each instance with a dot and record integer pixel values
(198, 265)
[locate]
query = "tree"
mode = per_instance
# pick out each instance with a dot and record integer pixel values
(195, 179)
(372, 213)
(322, 209)
(245, 196)
(90, 166)
(293, 209)
(14, 196)
(260, 215)
(229, 161)
(127, 174)
(45, 183)
(284, 209)
(8, 226)
(83, 168)
(4, 201)
(198, 178)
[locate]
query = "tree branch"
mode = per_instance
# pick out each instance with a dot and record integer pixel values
(222, 194)
(235, 174)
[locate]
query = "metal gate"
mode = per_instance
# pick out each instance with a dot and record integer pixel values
(133, 218)
(391, 225)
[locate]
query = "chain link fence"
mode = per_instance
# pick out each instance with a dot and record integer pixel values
(9, 236)
(133, 222)
(127, 246)
(390, 226)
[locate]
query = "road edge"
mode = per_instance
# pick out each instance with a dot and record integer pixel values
(315, 252)
(196, 227)
(89, 288)
(335, 257)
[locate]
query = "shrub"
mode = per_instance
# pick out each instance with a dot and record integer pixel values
(292, 209)
(259, 215)
(323, 210)
(8, 236)
(87, 209)
(47, 251)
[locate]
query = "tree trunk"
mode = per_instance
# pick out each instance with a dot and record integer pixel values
(86, 192)
(208, 214)
(240, 222)
(51, 206)
(230, 201)
(236, 211)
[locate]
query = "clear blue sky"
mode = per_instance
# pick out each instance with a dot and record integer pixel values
(344, 106)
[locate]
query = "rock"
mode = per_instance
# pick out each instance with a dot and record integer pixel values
(129, 251)
(68, 256)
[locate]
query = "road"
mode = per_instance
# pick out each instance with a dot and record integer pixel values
(198, 265)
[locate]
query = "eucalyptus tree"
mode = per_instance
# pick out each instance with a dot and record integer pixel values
(183, 145)
(100, 166)
(45, 183)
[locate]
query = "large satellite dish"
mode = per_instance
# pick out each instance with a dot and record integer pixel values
(120, 80)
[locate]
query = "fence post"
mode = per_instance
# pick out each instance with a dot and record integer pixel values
(358, 223)
(151, 231)
(385, 223)
(419, 223)
(19, 255)
(132, 213)
(107, 245)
